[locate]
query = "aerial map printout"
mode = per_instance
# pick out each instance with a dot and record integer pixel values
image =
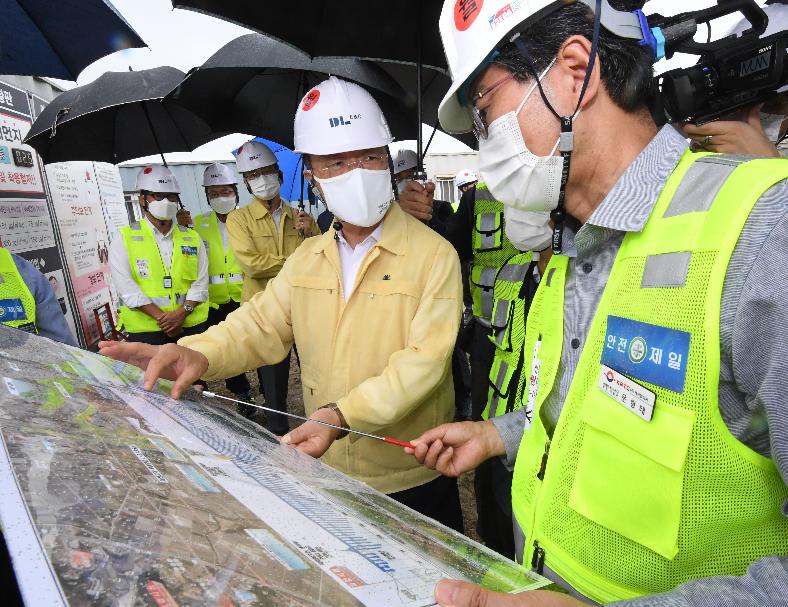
(111, 495)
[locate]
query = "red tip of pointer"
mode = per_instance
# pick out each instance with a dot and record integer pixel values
(400, 443)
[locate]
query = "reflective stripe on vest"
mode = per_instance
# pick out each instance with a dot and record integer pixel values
(508, 334)
(17, 304)
(225, 280)
(490, 249)
(625, 507)
(149, 272)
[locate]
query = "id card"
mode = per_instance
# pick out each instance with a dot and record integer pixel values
(630, 394)
(168, 282)
(142, 268)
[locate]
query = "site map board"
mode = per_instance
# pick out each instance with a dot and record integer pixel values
(117, 496)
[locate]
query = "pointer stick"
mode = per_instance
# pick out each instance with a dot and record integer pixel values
(385, 439)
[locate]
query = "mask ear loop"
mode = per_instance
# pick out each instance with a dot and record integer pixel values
(566, 140)
(337, 225)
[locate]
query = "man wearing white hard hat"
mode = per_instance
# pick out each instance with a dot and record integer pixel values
(225, 276)
(649, 454)
(386, 287)
(263, 235)
(465, 180)
(159, 268)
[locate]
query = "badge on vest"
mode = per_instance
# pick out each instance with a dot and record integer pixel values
(168, 282)
(187, 250)
(142, 268)
(636, 398)
(12, 310)
(647, 352)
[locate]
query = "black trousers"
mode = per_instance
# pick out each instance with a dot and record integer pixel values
(273, 385)
(438, 499)
(239, 384)
(492, 481)
(159, 338)
(482, 352)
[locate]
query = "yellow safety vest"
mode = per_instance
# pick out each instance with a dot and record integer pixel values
(642, 487)
(491, 248)
(225, 277)
(17, 304)
(166, 290)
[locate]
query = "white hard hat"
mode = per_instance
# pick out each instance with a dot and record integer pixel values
(471, 31)
(339, 116)
(406, 159)
(465, 177)
(218, 174)
(159, 179)
(254, 155)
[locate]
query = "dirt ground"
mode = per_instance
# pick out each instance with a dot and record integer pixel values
(295, 404)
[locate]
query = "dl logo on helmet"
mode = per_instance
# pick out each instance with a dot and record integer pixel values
(342, 121)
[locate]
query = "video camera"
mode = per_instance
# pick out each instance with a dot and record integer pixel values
(732, 73)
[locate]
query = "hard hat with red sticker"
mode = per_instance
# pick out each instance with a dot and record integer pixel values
(310, 100)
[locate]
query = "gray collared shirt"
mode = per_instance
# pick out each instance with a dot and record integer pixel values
(753, 342)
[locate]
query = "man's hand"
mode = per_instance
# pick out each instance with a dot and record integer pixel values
(452, 449)
(416, 199)
(182, 365)
(172, 322)
(314, 439)
(306, 223)
(453, 593)
(743, 136)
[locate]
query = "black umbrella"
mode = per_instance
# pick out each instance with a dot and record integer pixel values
(404, 32)
(254, 83)
(59, 38)
(118, 116)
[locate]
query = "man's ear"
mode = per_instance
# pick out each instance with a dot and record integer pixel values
(281, 177)
(572, 60)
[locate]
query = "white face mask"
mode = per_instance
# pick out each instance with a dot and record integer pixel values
(401, 185)
(265, 187)
(771, 124)
(222, 204)
(513, 174)
(526, 230)
(163, 210)
(359, 197)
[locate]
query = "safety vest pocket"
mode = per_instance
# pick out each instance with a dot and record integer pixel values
(189, 264)
(630, 474)
(488, 232)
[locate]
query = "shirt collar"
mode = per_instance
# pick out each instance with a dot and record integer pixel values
(630, 202)
(156, 231)
(259, 210)
(393, 233)
(371, 240)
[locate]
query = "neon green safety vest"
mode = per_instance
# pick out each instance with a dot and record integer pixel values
(17, 304)
(490, 249)
(617, 505)
(225, 277)
(510, 309)
(166, 290)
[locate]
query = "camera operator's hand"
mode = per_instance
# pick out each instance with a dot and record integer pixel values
(743, 136)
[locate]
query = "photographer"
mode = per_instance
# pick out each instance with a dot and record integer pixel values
(757, 130)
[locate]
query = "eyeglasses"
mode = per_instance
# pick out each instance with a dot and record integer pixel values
(340, 167)
(479, 125)
(160, 196)
(269, 170)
